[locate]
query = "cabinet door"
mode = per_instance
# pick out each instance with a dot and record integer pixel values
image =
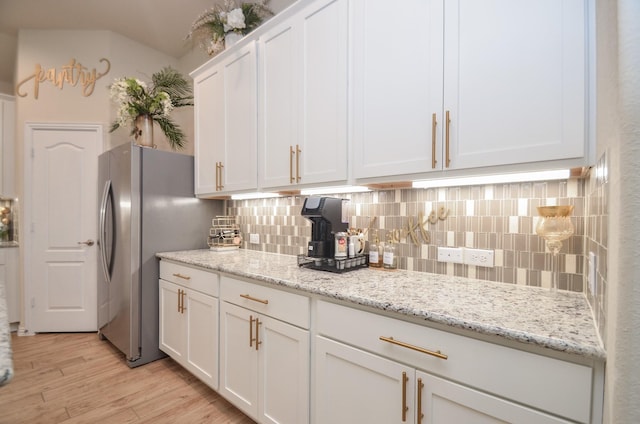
(172, 322)
(284, 373)
(202, 337)
(445, 402)
(514, 80)
(278, 105)
(303, 119)
(9, 277)
(323, 93)
(238, 358)
(240, 113)
(353, 386)
(209, 128)
(397, 87)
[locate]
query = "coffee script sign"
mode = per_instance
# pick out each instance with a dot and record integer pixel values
(73, 73)
(418, 230)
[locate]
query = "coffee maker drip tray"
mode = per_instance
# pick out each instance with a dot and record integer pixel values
(338, 265)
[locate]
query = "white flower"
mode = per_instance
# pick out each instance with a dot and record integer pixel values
(234, 20)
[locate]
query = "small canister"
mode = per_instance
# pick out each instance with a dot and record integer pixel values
(341, 245)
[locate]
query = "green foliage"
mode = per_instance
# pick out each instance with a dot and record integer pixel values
(210, 28)
(168, 90)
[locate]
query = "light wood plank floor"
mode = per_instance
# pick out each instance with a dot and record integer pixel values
(77, 378)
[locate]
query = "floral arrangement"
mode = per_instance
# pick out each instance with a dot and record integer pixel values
(210, 28)
(168, 90)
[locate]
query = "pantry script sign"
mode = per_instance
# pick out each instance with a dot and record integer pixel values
(72, 74)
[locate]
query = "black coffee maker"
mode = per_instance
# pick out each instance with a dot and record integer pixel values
(325, 213)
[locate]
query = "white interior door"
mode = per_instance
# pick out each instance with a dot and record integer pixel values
(60, 270)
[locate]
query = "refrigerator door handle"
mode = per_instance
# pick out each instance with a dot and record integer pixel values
(102, 233)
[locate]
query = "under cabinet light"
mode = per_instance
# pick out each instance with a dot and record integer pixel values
(250, 196)
(562, 174)
(333, 190)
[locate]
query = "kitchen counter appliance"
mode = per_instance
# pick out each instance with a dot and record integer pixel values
(147, 205)
(329, 229)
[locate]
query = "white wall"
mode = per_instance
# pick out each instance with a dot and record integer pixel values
(54, 49)
(619, 115)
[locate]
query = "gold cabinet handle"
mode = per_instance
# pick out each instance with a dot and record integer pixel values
(221, 168)
(437, 353)
(217, 176)
(257, 323)
(420, 414)
(433, 141)
(298, 151)
(251, 339)
(258, 342)
(255, 299)
(405, 408)
(184, 277)
(292, 153)
(447, 120)
(181, 307)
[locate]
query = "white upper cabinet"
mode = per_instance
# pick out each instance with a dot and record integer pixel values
(350, 91)
(458, 84)
(515, 80)
(225, 95)
(303, 98)
(396, 86)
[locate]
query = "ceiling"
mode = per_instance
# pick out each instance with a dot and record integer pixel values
(160, 24)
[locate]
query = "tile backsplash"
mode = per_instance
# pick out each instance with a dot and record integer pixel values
(500, 217)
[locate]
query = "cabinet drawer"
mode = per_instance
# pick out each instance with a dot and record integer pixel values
(553, 385)
(285, 306)
(187, 276)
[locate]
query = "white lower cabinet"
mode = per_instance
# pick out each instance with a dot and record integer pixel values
(264, 361)
(357, 386)
(367, 368)
(189, 320)
(9, 278)
(375, 369)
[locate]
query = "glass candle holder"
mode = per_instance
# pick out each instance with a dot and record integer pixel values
(555, 226)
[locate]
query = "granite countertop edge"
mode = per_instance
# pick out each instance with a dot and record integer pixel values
(563, 323)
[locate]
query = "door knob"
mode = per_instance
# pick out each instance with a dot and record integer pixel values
(88, 242)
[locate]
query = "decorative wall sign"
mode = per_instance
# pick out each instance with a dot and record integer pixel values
(73, 73)
(410, 229)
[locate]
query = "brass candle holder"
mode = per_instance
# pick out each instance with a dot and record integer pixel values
(555, 226)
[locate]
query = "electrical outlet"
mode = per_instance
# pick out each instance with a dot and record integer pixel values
(254, 238)
(450, 254)
(478, 257)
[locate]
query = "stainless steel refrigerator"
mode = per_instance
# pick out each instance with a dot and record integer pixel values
(147, 205)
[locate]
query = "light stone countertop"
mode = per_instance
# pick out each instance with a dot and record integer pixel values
(560, 321)
(6, 362)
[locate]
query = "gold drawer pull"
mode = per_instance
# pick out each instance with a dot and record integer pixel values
(184, 277)
(447, 121)
(405, 408)
(420, 413)
(433, 141)
(246, 296)
(437, 354)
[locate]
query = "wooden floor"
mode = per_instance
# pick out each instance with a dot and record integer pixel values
(77, 378)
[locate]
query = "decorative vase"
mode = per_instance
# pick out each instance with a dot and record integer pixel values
(555, 226)
(143, 132)
(231, 38)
